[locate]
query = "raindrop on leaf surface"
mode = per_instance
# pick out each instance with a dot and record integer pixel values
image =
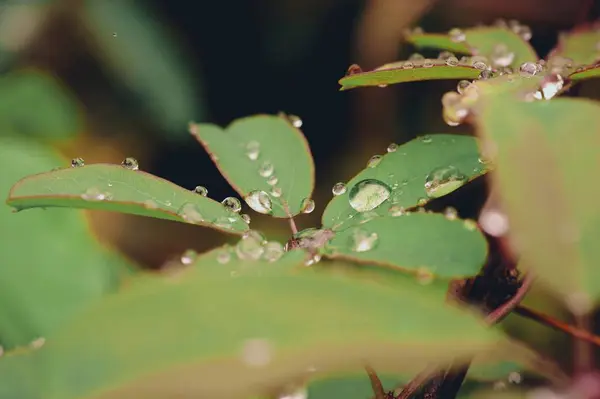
(272, 180)
(308, 205)
(201, 190)
(188, 257)
(338, 189)
(363, 241)
(276, 192)
(442, 181)
(266, 169)
(528, 69)
(77, 162)
(245, 218)
(253, 150)
(393, 147)
(374, 161)
(259, 201)
(190, 213)
(479, 65)
(130, 163)
(251, 246)
(457, 35)
(232, 203)
(295, 121)
(452, 61)
(273, 250)
(462, 86)
(426, 139)
(368, 194)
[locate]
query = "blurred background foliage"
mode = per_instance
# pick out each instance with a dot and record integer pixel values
(106, 79)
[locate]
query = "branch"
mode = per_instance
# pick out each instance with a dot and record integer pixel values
(376, 384)
(501, 312)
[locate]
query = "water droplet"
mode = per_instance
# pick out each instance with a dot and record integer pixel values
(266, 169)
(150, 204)
(272, 180)
(298, 393)
(470, 224)
(396, 210)
(276, 192)
(515, 377)
(444, 55)
(295, 121)
(224, 256)
(259, 201)
(338, 189)
(363, 241)
(457, 35)
(114, 34)
(480, 65)
(417, 59)
(426, 139)
(424, 275)
(93, 194)
(257, 352)
(77, 162)
(427, 63)
(130, 163)
(374, 161)
(253, 150)
(232, 203)
(308, 205)
(189, 257)
(201, 190)
(462, 85)
(408, 65)
(485, 74)
(37, 343)
(190, 213)
(251, 246)
(393, 147)
(353, 69)
(525, 32)
(313, 260)
(273, 251)
(527, 69)
(442, 181)
(551, 85)
(501, 56)
(368, 194)
(494, 222)
(245, 218)
(451, 99)
(452, 61)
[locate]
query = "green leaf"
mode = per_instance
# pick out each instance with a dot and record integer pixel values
(578, 45)
(252, 150)
(480, 41)
(266, 331)
(422, 243)
(52, 268)
(116, 188)
(585, 73)
(395, 73)
(547, 160)
(34, 104)
(405, 171)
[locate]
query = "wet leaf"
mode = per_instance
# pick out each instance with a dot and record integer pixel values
(580, 45)
(262, 153)
(404, 172)
(585, 73)
(422, 243)
(398, 74)
(116, 188)
(546, 159)
(199, 331)
(52, 268)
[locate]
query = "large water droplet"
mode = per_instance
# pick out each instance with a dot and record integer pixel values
(272, 180)
(457, 35)
(253, 150)
(190, 213)
(368, 194)
(444, 180)
(251, 246)
(130, 163)
(479, 65)
(259, 201)
(232, 203)
(338, 188)
(203, 191)
(295, 121)
(189, 257)
(528, 69)
(393, 147)
(374, 161)
(363, 241)
(266, 169)
(273, 251)
(308, 205)
(94, 194)
(77, 162)
(551, 85)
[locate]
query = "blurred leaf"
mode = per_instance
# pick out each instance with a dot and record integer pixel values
(267, 331)
(518, 86)
(580, 45)
(585, 73)
(51, 265)
(480, 41)
(147, 58)
(405, 171)
(426, 244)
(34, 104)
(262, 153)
(116, 188)
(547, 162)
(397, 74)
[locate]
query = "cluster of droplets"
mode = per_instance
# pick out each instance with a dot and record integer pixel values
(96, 193)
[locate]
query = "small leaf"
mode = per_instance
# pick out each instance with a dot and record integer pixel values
(547, 162)
(480, 41)
(267, 331)
(426, 244)
(52, 267)
(405, 171)
(265, 159)
(580, 45)
(392, 74)
(116, 188)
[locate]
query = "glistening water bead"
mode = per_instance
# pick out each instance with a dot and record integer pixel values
(259, 201)
(368, 194)
(308, 205)
(201, 190)
(253, 150)
(443, 180)
(362, 240)
(77, 162)
(130, 163)
(338, 189)
(232, 203)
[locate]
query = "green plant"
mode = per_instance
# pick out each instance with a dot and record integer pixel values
(388, 281)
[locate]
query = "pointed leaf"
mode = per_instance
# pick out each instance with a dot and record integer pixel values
(116, 188)
(267, 331)
(395, 73)
(422, 243)
(480, 41)
(52, 267)
(547, 160)
(251, 150)
(580, 74)
(580, 45)
(405, 171)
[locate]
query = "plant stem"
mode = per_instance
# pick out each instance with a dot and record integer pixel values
(557, 324)
(582, 350)
(502, 311)
(293, 225)
(376, 384)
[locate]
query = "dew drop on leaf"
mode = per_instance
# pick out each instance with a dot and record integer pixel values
(501, 56)
(201, 190)
(313, 259)
(77, 162)
(452, 61)
(253, 150)
(408, 65)
(94, 194)
(189, 257)
(374, 161)
(295, 121)
(190, 213)
(232, 203)
(457, 35)
(363, 241)
(444, 180)
(396, 210)
(444, 55)
(470, 224)
(393, 147)
(266, 169)
(130, 163)
(272, 180)
(551, 85)
(426, 139)
(273, 250)
(250, 246)
(427, 63)
(480, 65)
(451, 213)
(338, 189)
(308, 205)
(259, 201)
(462, 86)
(276, 192)
(224, 256)
(353, 69)
(485, 74)
(245, 218)
(150, 204)
(368, 194)
(528, 69)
